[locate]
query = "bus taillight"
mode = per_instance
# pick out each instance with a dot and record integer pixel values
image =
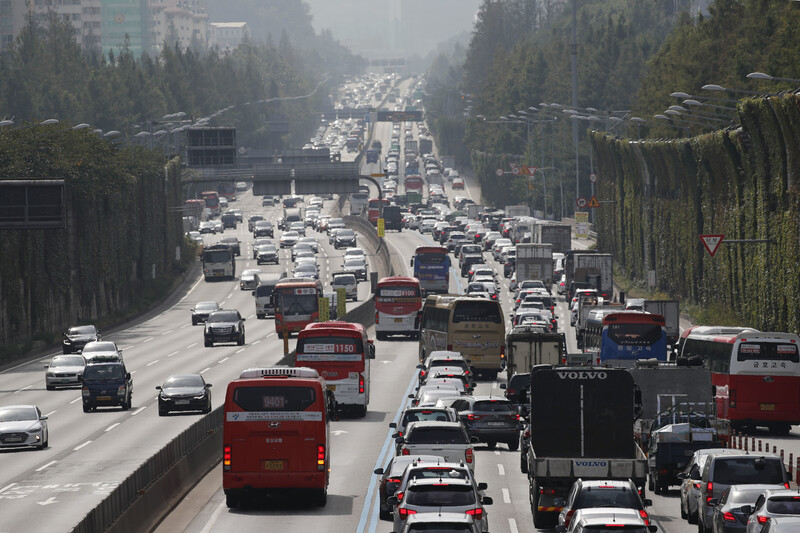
(226, 458)
(320, 457)
(732, 398)
(502, 351)
(361, 383)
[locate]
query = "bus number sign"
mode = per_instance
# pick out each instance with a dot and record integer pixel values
(305, 291)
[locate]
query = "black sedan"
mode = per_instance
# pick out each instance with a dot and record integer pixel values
(75, 338)
(184, 392)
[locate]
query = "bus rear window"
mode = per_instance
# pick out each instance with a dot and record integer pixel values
(634, 334)
(431, 259)
(274, 398)
(477, 312)
(768, 351)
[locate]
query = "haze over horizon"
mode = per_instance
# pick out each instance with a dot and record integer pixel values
(399, 28)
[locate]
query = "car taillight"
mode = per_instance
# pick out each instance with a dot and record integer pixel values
(361, 384)
(732, 398)
(644, 516)
(405, 451)
(377, 317)
(511, 392)
(514, 416)
(320, 457)
(728, 517)
(494, 297)
(502, 351)
(709, 490)
(527, 433)
(473, 417)
(477, 513)
(469, 454)
(568, 518)
(405, 512)
(787, 486)
(226, 458)
(762, 519)
(399, 496)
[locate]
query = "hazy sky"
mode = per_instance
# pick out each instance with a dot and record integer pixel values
(383, 28)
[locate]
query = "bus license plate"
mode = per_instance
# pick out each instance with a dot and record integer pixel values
(398, 320)
(767, 406)
(275, 464)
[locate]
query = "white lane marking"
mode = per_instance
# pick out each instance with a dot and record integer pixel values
(213, 519)
(191, 345)
(6, 488)
(23, 388)
(229, 296)
(222, 360)
(76, 448)
(133, 372)
(512, 525)
(500, 470)
(251, 316)
(193, 288)
(148, 339)
(51, 463)
(139, 410)
(152, 363)
(167, 332)
(183, 326)
(240, 350)
(506, 496)
(205, 370)
(50, 413)
(173, 353)
(112, 426)
(76, 399)
(256, 342)
(497, 452)
(270, 335)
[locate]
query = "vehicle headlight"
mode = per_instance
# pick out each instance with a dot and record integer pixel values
(121, 390)
(200, 396)
(85, 392)
(67, 341)
(35, 429)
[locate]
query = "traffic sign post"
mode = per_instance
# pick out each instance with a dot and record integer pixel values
(593, 202)
(711, 243)
(593, 177)
(499, 172)
(581, 202)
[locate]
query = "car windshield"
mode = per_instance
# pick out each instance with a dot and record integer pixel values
(441, 494)
(290, 234)
(69, 360)
(435, 472)
(82, 330)
(103, 372)
(100, 347)
(18, 414)
(427, 415)
(345, 233)
(437, 436)
(357, 263)
(784, 505)
(184, 381)
(223, 316)
(305, 267)
(267, 248)
(344, 280)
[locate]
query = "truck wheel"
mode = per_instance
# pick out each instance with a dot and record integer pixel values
(650, 483)
(523, 463)
(656, 484)
(513, 445)
(321, 497)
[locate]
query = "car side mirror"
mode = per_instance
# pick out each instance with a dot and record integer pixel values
(396, 435)
(378, 471)
(411, 263)
(503, 386)
(696, 476)
(647, 502)
(421, 367)
(487, 500)
(747, 509)
(158, 387)
(80, 379)
(64, 334)
(393, 425)
(253, 293)
(411, 396)
(46, 366)
(474, 439)
(391, 501)
(712, 502)
(208, 385)
(560, 502)
(682, 475)
(399, 440)
(127, 375)
(483, 486)
(243, 319)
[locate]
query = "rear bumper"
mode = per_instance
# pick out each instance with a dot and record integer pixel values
(232, 482)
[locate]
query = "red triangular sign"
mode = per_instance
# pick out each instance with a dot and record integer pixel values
(593, 202)
(711, 242)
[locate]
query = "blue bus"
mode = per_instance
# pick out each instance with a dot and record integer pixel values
(620, 338)
(432, 269)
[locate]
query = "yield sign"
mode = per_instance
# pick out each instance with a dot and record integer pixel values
(711, 242)
(593, 202)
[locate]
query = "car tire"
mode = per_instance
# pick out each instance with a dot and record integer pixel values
(691, 517)
(207, 408)
(513, 445)
(385, 514)
(209, 343)
(50, 387)
(684, 515)
(240, 340)
(523, 463)
(162, 411)
(86, 408)
(320, 497)
(126, 405)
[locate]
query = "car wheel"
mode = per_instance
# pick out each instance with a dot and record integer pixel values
(50, 387)
(523, 463)
(126, 405)
(385, 514)
(240, 341)
(513, 445)
(231, 501)
(86, 409)
(209, 343)
(162, 411)
(691, 517)
(362, 411)
(684, 515)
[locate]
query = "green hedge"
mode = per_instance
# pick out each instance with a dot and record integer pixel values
(741, 182)
(119, 227)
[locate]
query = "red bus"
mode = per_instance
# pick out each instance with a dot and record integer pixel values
(414, 186)
(374, 209)
(296, 304)
(340, 352)
(212, 202)
(398, 304)
(275, 433)
(756, 375)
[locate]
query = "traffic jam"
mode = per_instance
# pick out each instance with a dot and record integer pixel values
(524, 346)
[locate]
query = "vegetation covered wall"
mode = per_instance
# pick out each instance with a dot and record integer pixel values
(123, 238)
(741, 182)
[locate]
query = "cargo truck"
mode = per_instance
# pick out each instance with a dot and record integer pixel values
(517, 211)
(671, 312)
(425, 145)
(581, 427)
(411, 147)
(474, 211)
(535, 261)
(596, 270)
(527, 346)
(559, 235)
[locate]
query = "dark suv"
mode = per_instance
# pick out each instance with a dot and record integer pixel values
(489, 418)
(106, 384)
(225, 325)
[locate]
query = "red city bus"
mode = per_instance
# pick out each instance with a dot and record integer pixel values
(275, 433)
(756, 374)
(340, 352)
(398, 304)
(212, 201)
(374, 209)
(296, 304)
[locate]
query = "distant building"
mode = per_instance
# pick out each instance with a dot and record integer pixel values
(226, 35)
(185, 22)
